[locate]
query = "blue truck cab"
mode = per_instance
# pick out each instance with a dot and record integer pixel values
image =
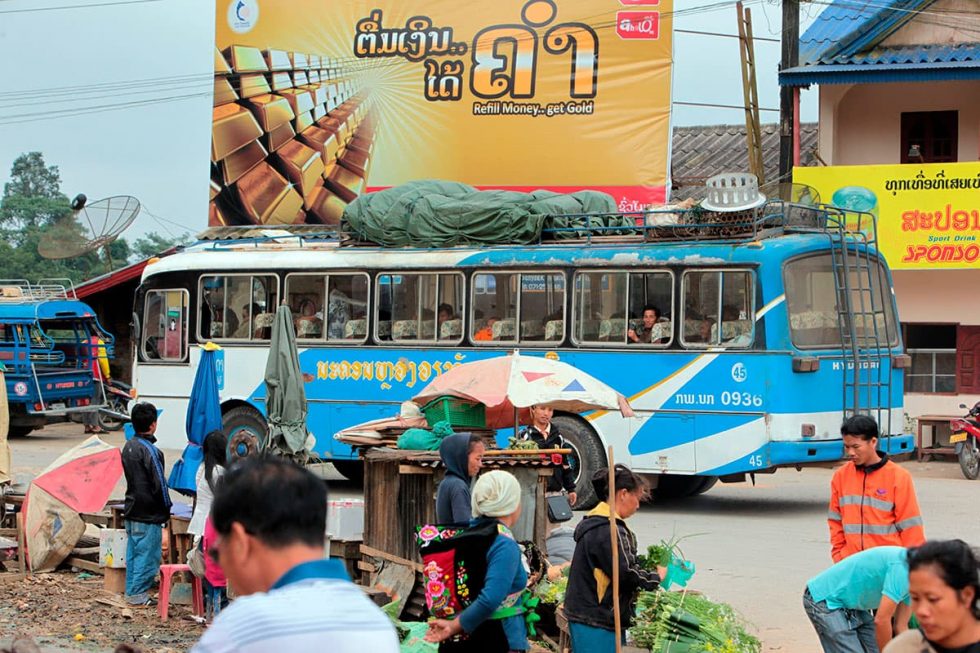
(49, 346)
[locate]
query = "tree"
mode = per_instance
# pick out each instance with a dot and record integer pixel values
(32, 197)
(153, 243)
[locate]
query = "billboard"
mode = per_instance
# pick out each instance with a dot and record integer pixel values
(317, 102)
(928, 215)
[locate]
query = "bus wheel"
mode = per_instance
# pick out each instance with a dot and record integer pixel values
(352, 470)
(19, 431)
(587, 456)
(246, 430)
(674, 486)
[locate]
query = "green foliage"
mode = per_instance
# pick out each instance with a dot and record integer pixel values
(682, 622)
(153, 243)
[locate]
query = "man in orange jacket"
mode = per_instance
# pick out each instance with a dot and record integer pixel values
(872, 500)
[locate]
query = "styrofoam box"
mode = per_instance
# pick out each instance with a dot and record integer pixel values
(112, 548)
(345, 519)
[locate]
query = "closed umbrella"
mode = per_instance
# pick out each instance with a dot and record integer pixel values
(506, 384)
(285, 396)
(203, 416)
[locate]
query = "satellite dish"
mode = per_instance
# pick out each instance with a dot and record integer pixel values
(92, 226)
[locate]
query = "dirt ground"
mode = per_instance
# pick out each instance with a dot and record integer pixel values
(64, 609)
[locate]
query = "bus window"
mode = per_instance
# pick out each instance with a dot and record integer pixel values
(238, 307)
(420, 307)
(518, 307)
(165, 325)
(347, 307)
(621, 307)
(718, 308)
(811, 300)
(304, 296)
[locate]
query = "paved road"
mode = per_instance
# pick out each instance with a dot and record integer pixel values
(755, 547)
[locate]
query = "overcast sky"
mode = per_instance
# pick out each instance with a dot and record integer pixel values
(62, 67)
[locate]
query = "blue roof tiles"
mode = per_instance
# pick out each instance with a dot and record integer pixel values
(851, 26)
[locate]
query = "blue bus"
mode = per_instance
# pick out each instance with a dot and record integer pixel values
(46, 347)
(741, 350)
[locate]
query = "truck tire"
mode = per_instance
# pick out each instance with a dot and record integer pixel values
(247, 432)
(352, 470)
(19, 431)
(676, 486)
(587, 457)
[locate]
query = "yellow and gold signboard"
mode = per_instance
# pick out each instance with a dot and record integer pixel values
(928, 215)
(317, 101)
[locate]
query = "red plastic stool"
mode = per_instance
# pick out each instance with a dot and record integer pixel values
(166, 580)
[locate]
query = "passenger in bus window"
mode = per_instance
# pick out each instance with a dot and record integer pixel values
(703, 332)
(308, 325)
(642, 332)
(338, 312)
(244, 330)
(486, 333)
(445, 313)
(213, 314)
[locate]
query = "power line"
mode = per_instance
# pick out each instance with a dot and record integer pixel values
(91, 6)
(719, 106)
(729, 36)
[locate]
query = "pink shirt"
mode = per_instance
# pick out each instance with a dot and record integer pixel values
(212, 570)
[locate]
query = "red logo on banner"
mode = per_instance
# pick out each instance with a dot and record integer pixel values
(639, 2)
(638, 24)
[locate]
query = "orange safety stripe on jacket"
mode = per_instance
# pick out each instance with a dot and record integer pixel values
(873, 506)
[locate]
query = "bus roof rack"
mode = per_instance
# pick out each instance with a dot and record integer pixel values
(263, 233)
(22, 291)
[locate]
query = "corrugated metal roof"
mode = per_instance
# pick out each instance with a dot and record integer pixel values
(698, 153)
(879, 73)
(848, 27)
(914, 54)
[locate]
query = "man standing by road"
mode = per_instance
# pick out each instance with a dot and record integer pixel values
(147, 505)
(872, 499)
(270, 515)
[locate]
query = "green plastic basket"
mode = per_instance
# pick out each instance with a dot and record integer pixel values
(457, 412)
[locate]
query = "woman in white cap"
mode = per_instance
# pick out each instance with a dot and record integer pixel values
(494, 621)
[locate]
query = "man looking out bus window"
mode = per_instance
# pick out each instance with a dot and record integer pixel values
(643, 332)
(872, 499)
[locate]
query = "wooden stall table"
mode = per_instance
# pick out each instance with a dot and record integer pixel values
(932, 421)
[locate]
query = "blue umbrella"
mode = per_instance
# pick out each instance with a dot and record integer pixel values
(203, 416)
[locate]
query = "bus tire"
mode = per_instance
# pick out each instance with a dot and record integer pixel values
(246, 430)
(352, 470)
(588, 457)
(19, 431)
(676, 486)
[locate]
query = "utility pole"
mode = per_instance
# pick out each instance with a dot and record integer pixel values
(790, 59)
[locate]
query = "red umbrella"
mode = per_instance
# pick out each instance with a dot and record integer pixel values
(80, 480)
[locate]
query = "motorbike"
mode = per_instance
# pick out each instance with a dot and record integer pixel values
(966, 434)
(115, 413)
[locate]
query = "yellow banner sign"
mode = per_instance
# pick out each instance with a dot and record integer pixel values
(928, 215)
(319, 102)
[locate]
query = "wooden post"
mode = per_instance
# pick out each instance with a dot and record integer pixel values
(614, 536)
(21, 545)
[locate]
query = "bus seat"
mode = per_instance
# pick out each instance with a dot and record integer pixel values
(451, 330)
(661, 331)
(587, 330)
(613, 329)
(812, 320)
(731, 330)
(503, 329)
(554, 330)
(404, 329)
(355, 329)
(531, 329)
(309, 327)
(428, 331)
(384, 329)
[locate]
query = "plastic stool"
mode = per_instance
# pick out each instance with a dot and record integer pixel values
(166, 580)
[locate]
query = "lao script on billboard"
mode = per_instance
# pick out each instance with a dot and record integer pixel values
(317, 103)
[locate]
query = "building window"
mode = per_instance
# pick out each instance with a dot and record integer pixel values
(929, 136)
(933, 351)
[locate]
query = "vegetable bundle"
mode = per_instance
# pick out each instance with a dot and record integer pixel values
(684, 622)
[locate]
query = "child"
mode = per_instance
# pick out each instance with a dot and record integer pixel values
(147, 506)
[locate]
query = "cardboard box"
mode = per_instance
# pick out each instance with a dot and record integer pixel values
(112, 548)
(115, 580)
(345, 519)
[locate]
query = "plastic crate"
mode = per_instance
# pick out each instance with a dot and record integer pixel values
(457, 412)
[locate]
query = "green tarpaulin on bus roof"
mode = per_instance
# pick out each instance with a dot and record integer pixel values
(445, 214)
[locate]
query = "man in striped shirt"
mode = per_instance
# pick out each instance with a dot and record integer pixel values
(872, 499)
(270, 515)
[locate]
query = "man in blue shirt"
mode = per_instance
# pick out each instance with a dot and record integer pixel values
(840, 600)
(271, 517)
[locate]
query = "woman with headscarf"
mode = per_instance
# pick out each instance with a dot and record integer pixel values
(494, 621)
(462, 454)
(945, 588)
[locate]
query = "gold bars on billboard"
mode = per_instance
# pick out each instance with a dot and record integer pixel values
(314, 60)
(314, 76)
(300, 61)
(213, 190)
(281, 81)
(239, 162)
(361, 143)
(279, 136)
(252, 85)
(223, 92)
(336, 126)
(302, 122)
(245, 59)
(318, 92)
(357, 162)
(300, 99)
(278, 60)
(232, 128)
(327, 207)
(324, 142)
(300, 78)
(215, 216)
(267, 197)
(303, 167)
(221, 66)
(319, 112)
(272, 111)
(345, 183)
